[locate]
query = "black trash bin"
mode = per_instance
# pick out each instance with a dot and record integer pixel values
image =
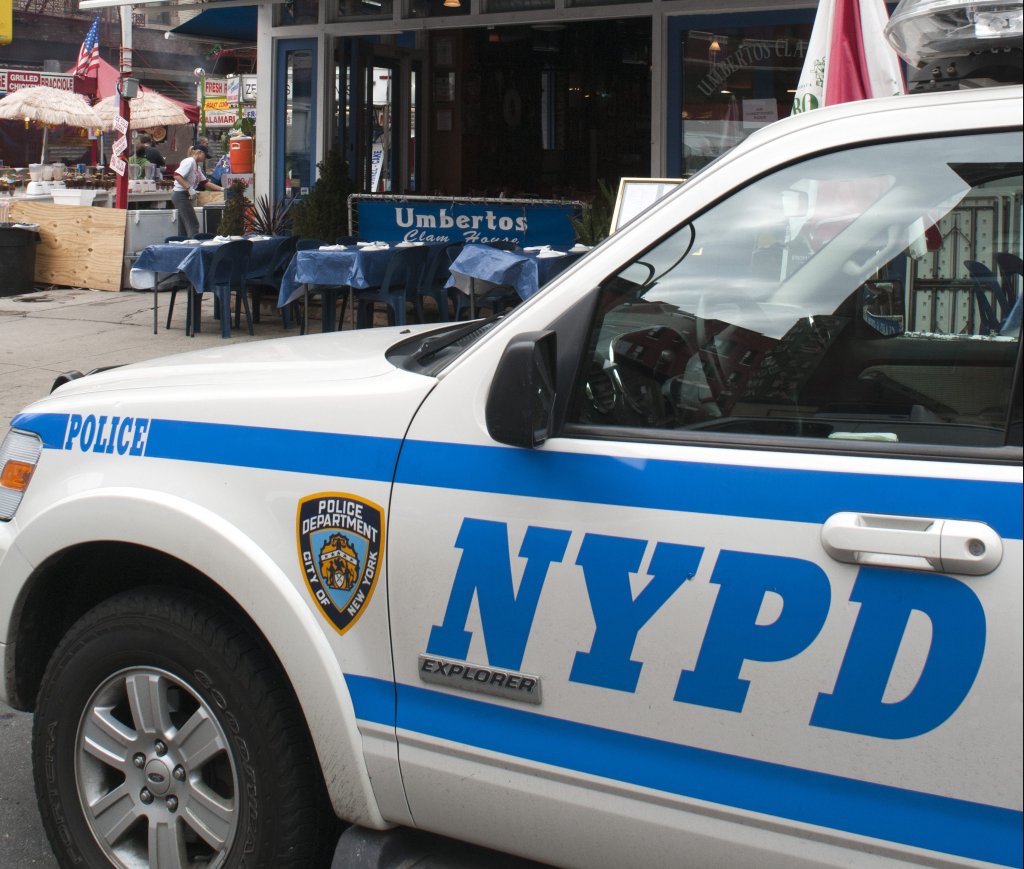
(18, 255)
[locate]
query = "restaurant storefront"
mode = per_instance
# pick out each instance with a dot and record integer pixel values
(516, 97)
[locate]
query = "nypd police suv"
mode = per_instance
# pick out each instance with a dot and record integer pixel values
(710, 554)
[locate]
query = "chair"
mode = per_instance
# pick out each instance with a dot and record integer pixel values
(204, 236)
(171, 238)
(992, 312)
(346, 239)
(401, 275)
(1011, 267)
(224, 275)
(432, 284)
(269, 280)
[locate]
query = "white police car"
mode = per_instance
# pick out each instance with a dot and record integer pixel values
(709, 554)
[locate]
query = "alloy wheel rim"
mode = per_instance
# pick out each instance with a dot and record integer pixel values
(154, 775)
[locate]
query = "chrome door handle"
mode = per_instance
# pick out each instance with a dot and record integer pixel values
(949, 545)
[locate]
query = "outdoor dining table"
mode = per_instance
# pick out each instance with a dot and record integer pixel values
(332, 268)
(192, 259)
(480, 268)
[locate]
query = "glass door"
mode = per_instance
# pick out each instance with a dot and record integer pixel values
(295, 124)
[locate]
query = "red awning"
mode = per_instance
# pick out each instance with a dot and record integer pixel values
(106, 85)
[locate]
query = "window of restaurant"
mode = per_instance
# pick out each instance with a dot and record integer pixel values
(375, 112)
(551, 109)
(727, 76)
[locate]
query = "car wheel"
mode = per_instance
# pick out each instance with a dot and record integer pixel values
(165, 736)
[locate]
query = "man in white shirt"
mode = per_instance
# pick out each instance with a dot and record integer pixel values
(187, 178)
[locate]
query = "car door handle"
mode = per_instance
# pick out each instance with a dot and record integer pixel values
(949, 545)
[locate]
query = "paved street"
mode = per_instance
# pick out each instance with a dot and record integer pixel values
(41, 335)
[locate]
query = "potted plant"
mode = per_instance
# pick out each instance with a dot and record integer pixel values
(264, 217)
(323, 213)
(232, 222)
(594, 224)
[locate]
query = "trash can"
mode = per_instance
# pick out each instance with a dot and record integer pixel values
(18, 254)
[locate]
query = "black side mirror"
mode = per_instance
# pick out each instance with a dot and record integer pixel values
(521, 401)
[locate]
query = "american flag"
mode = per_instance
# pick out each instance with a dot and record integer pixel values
(89, 53)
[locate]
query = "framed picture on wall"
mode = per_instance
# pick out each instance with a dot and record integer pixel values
(637, 194)
(444, 87)
(444, 51)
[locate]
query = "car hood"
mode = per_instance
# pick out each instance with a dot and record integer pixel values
(331, 357)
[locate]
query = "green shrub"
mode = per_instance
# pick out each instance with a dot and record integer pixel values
(323, 213)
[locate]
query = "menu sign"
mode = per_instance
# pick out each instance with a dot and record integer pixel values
(12, 80)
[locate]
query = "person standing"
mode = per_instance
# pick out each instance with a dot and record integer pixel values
(149, 151)
(187, 178)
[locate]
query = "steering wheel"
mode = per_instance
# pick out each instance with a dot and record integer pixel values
(750, 316)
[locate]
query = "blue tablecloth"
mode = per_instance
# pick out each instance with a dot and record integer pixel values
(352, 267)
(488, 267)
(192, 260)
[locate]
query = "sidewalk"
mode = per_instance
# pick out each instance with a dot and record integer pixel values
(46, 333)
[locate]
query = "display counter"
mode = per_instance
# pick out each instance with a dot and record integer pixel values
(99, 198)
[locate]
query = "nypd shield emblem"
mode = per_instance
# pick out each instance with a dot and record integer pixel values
(341, 538)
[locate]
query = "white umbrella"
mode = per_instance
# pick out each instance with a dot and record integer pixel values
(148, 109)
(50, 107)
(848, 57)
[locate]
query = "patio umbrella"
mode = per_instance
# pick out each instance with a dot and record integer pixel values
(848, 57)
(50, 107)
(148, 109)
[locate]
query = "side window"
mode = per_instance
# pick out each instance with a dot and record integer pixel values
(869, 295)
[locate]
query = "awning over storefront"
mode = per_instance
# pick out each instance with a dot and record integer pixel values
(234, 24)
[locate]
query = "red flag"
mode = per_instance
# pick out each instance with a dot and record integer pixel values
(89, 54)
(849, 77)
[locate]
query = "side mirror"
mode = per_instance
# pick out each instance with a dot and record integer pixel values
(521, 401)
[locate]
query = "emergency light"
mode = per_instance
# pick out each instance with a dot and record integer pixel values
(925, 31)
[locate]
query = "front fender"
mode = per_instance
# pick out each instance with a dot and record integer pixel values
(238, 565)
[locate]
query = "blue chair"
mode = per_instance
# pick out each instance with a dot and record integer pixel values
(204, 236)
(346, 239)
(432, 284)
(401, 276)
(992, 312)
(224, 275)
(269, 280)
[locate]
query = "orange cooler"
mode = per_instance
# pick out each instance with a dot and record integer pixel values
(240, 153)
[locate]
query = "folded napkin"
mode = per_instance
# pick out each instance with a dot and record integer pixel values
(221, 238)
(409, 244)
(578, 248)
(332, 247)
(538, 247)
(212, 242)
(546, 254)
(260, 237)
(376, 246)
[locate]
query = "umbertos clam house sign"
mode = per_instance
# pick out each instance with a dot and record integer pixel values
(433, 219)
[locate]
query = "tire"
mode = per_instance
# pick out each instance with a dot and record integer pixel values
(164, 736)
